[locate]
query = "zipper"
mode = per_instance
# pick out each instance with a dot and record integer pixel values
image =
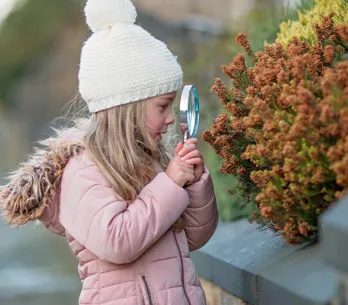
(182, 269)
(147, 290)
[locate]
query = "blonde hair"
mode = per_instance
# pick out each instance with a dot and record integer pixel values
(118, 141)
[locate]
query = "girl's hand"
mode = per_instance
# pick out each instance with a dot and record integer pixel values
(179, 172)
(191, 156)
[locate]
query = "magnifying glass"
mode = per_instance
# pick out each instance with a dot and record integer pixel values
(189, 112)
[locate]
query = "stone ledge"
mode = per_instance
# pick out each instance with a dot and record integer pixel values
(334, 235)
(262, 269)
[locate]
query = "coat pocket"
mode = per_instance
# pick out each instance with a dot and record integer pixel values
(145, 289)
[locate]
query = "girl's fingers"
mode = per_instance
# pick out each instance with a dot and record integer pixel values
(186, 149)
(178, 148)
(187, 168)
(192, 141)
(190, 177)
(193, 154)
(194, 161)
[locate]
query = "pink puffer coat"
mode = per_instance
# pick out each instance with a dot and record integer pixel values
(128, 255)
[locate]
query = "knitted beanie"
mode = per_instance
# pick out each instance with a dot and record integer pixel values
(121, 62)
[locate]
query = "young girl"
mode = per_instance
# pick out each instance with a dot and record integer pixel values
(130, 214)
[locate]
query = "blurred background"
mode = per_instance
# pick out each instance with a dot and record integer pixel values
(40, 44)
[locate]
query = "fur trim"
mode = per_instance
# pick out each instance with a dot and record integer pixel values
(36, 182)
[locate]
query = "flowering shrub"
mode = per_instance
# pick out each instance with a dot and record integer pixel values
(303, 29)
(285, 132)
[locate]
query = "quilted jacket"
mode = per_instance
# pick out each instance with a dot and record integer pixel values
(127, 255)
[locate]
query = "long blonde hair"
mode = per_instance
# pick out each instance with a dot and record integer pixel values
(118, 141)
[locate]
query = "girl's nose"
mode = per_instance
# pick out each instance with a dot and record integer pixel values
(170, 119)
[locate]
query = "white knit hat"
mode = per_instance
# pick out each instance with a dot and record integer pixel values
(121, 62)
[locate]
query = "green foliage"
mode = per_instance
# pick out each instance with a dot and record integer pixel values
(27, 33)
(303, 28)
(266, 20)
(230, 208)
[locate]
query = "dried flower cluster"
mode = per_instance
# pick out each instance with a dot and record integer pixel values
(285, 132)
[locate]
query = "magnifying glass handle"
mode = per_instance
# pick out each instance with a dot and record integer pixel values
(186, 135)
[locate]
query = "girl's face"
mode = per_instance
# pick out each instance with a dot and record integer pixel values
(159, 114)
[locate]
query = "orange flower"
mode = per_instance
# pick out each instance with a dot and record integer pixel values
(342, 31)
(329, 53)
(243, 41)
(266, 211)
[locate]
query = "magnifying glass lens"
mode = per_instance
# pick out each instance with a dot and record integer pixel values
(189, 111)
(193, 113)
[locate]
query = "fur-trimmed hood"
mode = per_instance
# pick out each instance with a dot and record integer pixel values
(33, 189)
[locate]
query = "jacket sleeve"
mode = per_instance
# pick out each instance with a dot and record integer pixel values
(100, 219)
(201, 216)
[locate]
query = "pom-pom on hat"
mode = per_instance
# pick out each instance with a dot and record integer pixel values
(121, 62)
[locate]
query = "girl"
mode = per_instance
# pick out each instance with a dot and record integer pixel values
(130, 214)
